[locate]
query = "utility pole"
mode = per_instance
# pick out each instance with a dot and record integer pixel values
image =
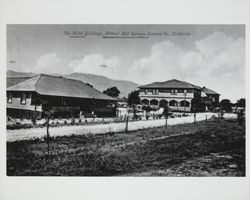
(194, 116)
(166, 112)
(185, 94)
(47, 135)
(126, 129)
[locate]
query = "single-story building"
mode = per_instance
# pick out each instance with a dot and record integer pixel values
(62, 96)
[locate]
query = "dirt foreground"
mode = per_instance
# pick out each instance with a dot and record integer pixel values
(212, 148)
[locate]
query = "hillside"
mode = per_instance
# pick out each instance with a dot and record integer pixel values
(99, 82)
(11, 73)
(102, 83)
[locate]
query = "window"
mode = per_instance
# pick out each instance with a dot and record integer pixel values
(180, 91)
(143, 91)
(163, 103)
(63, 101)
(173, 103)
(174, 91)
(9, 98)
(145, 101)
(155, 91)
(184, 103)
(154, 102)
(23, 98)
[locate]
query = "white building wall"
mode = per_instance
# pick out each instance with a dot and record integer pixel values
(16, 104)
(169, 97)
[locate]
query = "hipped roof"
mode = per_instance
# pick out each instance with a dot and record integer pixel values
(209, 91)
(59, 86)
(173, 83)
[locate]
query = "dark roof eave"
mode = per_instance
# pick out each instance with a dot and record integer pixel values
(213, 93)
(162, 87)
(108, 99)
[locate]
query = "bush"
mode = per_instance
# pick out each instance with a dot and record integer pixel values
(18, 125)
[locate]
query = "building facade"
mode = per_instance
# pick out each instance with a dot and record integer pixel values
(59, 95)
(177, 95)
(213, 96)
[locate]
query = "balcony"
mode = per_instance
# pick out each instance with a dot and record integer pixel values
(164, 95)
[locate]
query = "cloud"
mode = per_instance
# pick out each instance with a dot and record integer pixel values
(48, 59)
(97, 64)
(216, 61)
(48, 63)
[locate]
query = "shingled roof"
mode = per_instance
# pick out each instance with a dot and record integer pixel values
(209, 91)
(173, 83)
(59, 86)
(15, 80)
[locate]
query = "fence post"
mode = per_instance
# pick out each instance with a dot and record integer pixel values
(194, 118)
(48, 134)
(165, 113)
(206, 118)
(126, 130)
(166, 125)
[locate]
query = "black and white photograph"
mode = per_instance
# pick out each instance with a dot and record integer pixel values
(126, 100)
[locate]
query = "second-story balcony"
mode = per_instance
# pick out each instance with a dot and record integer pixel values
(161, 94)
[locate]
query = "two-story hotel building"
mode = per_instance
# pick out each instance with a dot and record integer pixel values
(174, 93)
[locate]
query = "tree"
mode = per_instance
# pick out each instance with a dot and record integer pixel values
(226, 105)
(197, 105)
(241, 102)
(113, 92)
(89, 84)
(147, 108)
(166, 113)
(133, 99)
(123, 99)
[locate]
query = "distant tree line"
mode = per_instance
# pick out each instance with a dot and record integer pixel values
(112, 92)
(199, 104)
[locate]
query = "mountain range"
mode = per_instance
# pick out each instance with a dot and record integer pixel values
(99, 82)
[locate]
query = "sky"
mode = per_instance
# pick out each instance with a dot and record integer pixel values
(204, 55)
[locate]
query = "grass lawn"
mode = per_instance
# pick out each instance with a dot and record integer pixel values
(213, 148)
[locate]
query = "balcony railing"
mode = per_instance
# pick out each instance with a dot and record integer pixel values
(188, 95)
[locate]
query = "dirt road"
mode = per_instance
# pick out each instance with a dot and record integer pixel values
(32, 133)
